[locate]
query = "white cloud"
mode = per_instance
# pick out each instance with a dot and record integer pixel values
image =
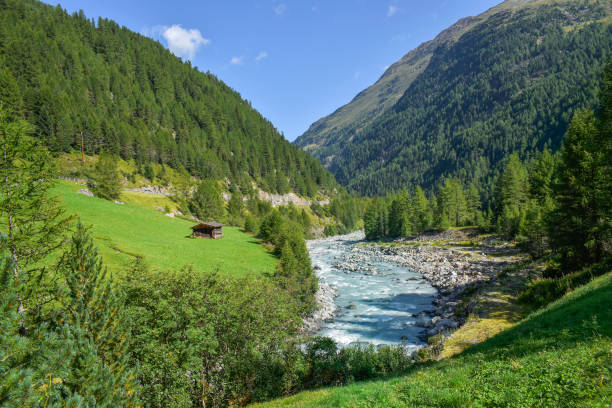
(357, 75)
(280, 9)
(237, 60)
(261, 55)
(392, 11)
(183, 42)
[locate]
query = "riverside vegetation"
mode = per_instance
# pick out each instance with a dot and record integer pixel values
(559, 355)
(77, 333)
(126, 326)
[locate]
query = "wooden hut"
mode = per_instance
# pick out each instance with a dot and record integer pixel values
(210, 229)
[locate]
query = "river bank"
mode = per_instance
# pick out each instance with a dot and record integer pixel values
(438, 259)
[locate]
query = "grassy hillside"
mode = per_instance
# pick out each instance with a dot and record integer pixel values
(559, 356)
(125, 231)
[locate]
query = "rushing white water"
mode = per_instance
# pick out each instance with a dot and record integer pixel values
(378, 303)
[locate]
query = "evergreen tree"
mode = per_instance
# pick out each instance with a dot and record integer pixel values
(11, 102)
(511, 196)
(148, 172)
(250, 224)
(581, 225)
(541, 176)
(400, 215)
(295, 273)
(375, 219)
(96, 365)
(29, 213)
(473, 203)
(270, 228)
(106, 182)
(422, 218)
(451, 202)
(235, 209)
(206, 203)
(15, 377)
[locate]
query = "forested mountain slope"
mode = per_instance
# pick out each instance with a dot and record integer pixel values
(506, 81)
(130, 96)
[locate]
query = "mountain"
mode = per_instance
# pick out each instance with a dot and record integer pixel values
(128, 95)
(506, 81)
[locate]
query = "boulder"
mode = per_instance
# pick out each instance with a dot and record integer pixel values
(85, 191)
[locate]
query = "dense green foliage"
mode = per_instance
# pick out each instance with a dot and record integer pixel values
(105, 182)
(560, 203)
(556, 357)
(544, 291)
(94, 362)
(61, 325)
(581, 224)
(511, 83)
(405, 213)
(31, 219)
(206, 340)
(73, 354)
(330, 365)
(294, 272)
(131, 97)
(206, 203)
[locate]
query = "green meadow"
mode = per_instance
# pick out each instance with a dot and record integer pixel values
(123, 232)
(559, 356)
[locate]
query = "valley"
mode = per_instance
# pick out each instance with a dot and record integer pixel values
(443, 240)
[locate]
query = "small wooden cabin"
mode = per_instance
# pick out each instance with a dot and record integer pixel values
(210, 229)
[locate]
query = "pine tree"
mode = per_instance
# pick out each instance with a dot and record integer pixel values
(375, 219)
(511, 197)
(11, 102)
(206, 203)
(541, 176)
(400, 215)
(235, 209)
(96, 364)
(422, 218)
(451, 201)
(473, 203)
(15, 377)
(29, 213)
(106, 182)
(581, 224)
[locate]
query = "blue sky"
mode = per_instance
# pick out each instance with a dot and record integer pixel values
(295, 60)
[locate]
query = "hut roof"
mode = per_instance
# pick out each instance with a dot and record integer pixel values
(207, 224)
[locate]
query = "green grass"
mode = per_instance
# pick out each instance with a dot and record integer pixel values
(122, 232)
(559, 356)
(150, 201)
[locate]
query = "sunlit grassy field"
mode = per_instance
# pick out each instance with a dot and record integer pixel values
(123, 232)
(559, 356)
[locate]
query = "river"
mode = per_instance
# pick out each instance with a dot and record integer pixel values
(377, 302)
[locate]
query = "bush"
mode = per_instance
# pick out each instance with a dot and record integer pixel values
(542, 292)
(202, 339)
(330, 365)
(251, 224)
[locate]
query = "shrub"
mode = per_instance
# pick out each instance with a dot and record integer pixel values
(544, 291)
